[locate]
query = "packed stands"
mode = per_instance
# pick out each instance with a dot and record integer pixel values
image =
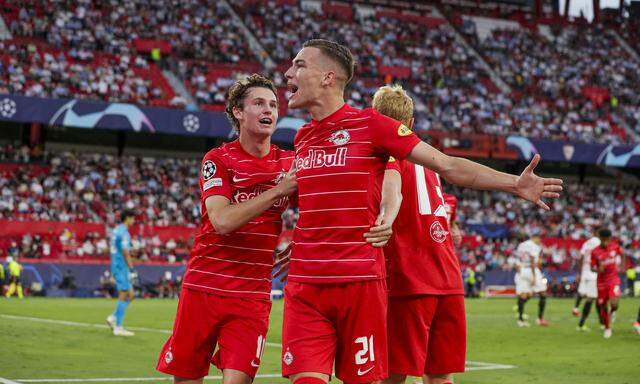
(569, 81)
(65, 189)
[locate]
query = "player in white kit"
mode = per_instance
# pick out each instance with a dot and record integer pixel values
(587, 287)
(529, 279)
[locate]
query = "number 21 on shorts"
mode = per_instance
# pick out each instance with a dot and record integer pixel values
(365, 354)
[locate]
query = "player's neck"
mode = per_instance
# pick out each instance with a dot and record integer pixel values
(256, 146)
(326, 107)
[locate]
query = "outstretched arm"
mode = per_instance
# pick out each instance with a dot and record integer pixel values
(467, 173)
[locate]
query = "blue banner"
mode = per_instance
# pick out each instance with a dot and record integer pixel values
(130, 117)
(573, 152)
(490, 231)
(120, 116)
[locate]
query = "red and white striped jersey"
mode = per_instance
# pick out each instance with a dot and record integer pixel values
(239, 263)
(340, 164)
(420, 252)
(451, 204)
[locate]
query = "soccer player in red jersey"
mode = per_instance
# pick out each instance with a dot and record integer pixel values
(225, 299)
(451, 205)
(426, 317)
(604, 261)
(336, 299)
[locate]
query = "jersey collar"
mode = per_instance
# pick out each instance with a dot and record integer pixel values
(335, 116)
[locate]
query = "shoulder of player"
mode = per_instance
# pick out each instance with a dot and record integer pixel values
(219, 154)
(376, 118)
(280, 152)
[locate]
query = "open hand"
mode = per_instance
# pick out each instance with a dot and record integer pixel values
(532, 187)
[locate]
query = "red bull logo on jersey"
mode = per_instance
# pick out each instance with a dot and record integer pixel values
(242, 196)
(438, 233)
(320, 158)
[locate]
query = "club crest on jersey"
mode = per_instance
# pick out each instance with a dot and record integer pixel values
(280, 176)
(403, 130)
(288, 358)
(208, 169)
(168, 357)
(438, 233)
(340, 137)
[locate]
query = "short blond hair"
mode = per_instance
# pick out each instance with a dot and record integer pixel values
(393, 101)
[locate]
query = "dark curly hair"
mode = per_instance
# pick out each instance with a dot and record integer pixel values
(238, 91)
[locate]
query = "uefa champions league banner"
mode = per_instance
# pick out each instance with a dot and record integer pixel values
(129, 117)
(602, 154)
(120, 116)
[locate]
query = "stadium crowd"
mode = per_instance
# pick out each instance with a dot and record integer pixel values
(578, 86)
(194, 28)
(26, 69)
(573, 87)
(70, 187)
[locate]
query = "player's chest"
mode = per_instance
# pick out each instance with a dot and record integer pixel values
(335, 149)
(250, 179)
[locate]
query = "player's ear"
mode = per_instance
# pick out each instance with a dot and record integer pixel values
(328, 78)
(238, 113)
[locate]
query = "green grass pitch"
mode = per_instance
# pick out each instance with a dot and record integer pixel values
(59, 348)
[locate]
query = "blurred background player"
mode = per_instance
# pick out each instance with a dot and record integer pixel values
(225, 299)
(529, 279)
(587, 288)
(2, 277)
(426, 316)
(451, 204)
(15, 270)
(121, 270)
(605, 260)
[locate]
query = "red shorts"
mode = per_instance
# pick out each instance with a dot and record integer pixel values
(427, 335)
(238, 326)
(342, 322)
(608, 292)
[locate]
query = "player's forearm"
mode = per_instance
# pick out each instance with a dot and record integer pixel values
(391, 199)
(469, 174)
(234, 216)
(462, 172)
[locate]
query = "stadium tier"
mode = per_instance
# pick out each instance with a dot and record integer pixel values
(472, 69)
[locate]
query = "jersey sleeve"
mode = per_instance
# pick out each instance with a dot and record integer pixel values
(392, 137)
(214, 177)
(393, 165)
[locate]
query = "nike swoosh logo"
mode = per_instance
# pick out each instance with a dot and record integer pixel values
(236, 180)
(361, 373)
(253, 364)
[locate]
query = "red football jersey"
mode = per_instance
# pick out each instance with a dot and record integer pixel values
(420, 253)
(340, 164)
(607, 257)
(240, 263)
(451, 205)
